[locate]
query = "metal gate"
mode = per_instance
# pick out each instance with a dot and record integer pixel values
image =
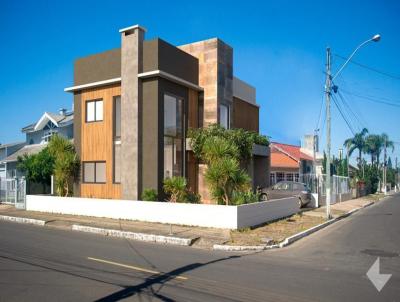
(13, 191)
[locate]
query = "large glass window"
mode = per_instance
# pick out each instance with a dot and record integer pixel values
(117, 117)
(94, 172)
(117, 162)
(173, 136)
(224, 116)
(117, 139)
(94, 111)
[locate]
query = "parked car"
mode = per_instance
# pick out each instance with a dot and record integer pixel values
(284, 189)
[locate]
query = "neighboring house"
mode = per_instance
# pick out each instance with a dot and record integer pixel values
(134, 105)
(289, 162)
(7, 150)
(38, 135)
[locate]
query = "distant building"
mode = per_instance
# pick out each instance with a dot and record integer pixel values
(38, 135)
(291, 162)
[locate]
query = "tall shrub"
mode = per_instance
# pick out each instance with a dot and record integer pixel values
(66, 164)
(223, 150)
(37, 167)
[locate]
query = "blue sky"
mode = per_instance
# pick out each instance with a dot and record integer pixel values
(279, 47)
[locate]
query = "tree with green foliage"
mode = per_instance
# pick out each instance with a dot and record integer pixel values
(357, 143)
(66, 164)
(370, 175)
(224, 150)
(37, 167)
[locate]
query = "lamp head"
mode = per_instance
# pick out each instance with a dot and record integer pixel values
(376, 38)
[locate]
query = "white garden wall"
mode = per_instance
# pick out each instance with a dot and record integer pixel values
(260, 212)
(217, 216)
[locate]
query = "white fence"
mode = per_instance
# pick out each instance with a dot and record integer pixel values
(204, 215)
(13, 191)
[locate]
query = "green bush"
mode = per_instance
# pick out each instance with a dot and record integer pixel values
(149, 195)
(245, 197)
(175, 188)
(192, 197)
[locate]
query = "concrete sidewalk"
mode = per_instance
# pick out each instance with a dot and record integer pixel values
(201, 237)
(341, 208)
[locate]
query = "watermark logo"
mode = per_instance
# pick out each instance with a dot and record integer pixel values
(378, 280)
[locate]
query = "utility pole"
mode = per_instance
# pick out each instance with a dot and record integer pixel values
(397, 177)
(328, 85)
(384, 169)
(315, 147)
(347, 161)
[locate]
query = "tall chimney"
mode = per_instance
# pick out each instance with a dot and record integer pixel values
(131, 94)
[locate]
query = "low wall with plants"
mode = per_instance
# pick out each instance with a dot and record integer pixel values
(216, 216)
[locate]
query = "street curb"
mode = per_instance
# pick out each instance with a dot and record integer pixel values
(23, 220)
(243, 248)
(288, 240)
(135, 236)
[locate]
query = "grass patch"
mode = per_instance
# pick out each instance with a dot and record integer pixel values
(277, 231)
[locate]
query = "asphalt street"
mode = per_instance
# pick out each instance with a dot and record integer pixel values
(47, 264)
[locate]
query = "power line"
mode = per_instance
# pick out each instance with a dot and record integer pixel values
(372, 99)
(341, 113)
(346, 104)
(359, 114)
(396, 77)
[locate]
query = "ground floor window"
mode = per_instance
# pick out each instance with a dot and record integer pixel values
(272, 180)
(296, 177)
(117, 162)
(280, 176)
(289, 176)
(173, 136)
(173, 156)
(94, 172)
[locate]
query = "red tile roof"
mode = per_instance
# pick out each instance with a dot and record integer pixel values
(281, 160)
(284, 155)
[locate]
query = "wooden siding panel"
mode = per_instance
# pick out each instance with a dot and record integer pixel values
(245, 115)
(97, 141)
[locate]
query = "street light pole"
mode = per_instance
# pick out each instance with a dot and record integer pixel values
(384, 169)
(328, 90)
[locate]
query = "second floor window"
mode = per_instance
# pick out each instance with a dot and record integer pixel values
(117, 140)
(94, 111)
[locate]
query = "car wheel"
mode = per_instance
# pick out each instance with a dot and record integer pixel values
(263, 197)
(300, 203)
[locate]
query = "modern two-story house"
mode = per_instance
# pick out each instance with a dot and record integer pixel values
(135, 104)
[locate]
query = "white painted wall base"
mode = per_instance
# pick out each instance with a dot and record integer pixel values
(217, 216)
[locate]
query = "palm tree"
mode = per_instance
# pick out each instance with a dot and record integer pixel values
(356, 142)
(373, 146)
(385, 141)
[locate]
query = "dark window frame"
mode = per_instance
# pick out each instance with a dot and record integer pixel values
(95, 164)
(116, 139)
(183, 138)
(95, 117)
(114, 144)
